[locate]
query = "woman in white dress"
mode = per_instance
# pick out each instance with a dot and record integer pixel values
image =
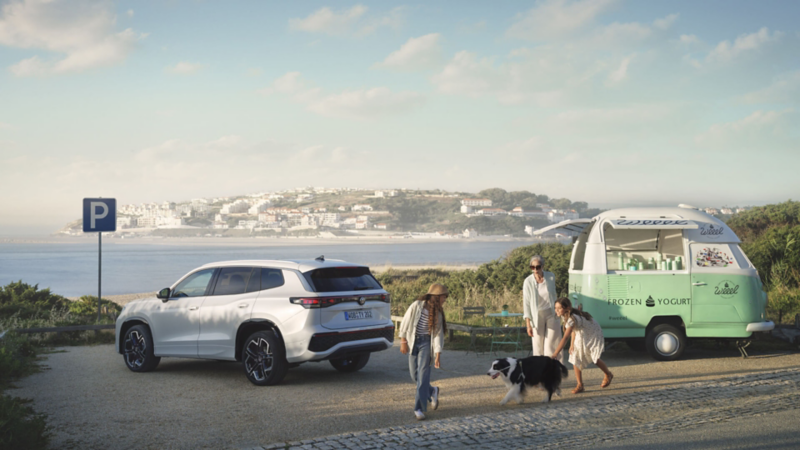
(587, 342)
(538, 300)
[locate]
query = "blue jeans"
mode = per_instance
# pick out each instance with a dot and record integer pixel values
(419, 365)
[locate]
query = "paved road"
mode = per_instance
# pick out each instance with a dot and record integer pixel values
(93, 401)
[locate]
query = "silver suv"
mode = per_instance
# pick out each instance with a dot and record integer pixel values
(270, 315)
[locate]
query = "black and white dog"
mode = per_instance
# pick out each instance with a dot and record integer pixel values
(519, 374)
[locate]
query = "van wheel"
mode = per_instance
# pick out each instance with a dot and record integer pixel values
(263, 359)
(352, 364)
(665, 342)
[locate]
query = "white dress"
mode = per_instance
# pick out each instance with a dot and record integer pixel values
(587, 341)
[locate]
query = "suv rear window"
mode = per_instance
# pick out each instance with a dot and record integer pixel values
(337, 279)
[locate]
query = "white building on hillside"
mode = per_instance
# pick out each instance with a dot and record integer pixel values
(476, 202)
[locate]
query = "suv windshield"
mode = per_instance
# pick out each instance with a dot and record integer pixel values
(337, 279)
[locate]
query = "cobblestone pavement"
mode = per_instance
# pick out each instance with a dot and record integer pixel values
(584, 424)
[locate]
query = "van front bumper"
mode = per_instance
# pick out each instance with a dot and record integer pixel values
(760, 326)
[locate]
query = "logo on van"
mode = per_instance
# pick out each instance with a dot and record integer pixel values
(650, 302)
(655, 222)
(711, 231)
(726, 289)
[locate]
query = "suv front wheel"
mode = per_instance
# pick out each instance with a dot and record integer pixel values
(263, 359)
(137, 349)
(352, 364)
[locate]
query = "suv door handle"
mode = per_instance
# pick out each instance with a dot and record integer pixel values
(193, 308)
(242, 305)
(699, 284)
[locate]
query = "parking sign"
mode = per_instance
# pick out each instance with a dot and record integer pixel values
(99, 214)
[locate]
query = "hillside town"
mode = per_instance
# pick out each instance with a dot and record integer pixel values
(331, 212)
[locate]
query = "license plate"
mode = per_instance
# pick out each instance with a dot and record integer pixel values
(356, 315)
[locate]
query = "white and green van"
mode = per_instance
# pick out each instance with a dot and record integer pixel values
(659, 276)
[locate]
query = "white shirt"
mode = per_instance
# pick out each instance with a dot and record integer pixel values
(544, 296)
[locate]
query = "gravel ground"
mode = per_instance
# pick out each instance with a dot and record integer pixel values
(94, 401)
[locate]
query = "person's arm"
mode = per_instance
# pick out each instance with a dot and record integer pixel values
(438, 344)
(563, 342)
(527, 296)
(405, 325)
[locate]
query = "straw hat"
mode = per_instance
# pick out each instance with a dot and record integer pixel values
(435, 289)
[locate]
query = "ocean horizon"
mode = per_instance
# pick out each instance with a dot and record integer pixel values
(71, 268)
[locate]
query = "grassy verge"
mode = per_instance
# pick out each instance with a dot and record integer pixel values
(26, 306)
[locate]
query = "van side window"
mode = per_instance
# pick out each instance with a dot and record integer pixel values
(645, 249)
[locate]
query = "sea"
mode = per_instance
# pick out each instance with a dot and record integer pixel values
(71, 269)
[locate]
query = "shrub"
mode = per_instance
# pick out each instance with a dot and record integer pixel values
(25, 301)
(87, 306)
(20, 426)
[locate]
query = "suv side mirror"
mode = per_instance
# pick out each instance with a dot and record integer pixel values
(163, 294)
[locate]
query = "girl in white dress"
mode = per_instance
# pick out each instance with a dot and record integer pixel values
(587, 341)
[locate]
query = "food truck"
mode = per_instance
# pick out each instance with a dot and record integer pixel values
(656, 277)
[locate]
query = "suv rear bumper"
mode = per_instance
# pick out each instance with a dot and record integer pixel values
(333, 345)
(322, 342)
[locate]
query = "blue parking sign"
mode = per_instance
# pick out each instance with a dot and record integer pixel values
(99, 214)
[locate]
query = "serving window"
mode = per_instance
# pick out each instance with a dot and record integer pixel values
(650, 249)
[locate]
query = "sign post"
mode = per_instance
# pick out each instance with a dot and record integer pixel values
(99, 214)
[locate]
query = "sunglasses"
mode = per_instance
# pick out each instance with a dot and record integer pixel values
(536, 267)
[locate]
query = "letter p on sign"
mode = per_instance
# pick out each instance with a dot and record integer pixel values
(99, 214)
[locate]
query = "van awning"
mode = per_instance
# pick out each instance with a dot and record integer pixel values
(648, 224)
(576, 225)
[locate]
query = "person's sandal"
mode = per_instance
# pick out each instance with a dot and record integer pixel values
(578, 390)
(607, 380)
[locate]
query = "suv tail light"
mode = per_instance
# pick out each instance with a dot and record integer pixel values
(324, 302)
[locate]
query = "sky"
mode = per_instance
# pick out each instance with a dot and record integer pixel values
(612, 102)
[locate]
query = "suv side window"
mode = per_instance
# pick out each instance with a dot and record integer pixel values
(233, 280)
(255, 280)
(194, 285)
(271, 278)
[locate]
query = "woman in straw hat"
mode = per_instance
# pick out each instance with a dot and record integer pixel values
(423, 327)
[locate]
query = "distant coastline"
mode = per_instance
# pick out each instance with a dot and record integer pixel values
(239, 241)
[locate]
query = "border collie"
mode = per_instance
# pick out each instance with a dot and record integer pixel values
(519, 374)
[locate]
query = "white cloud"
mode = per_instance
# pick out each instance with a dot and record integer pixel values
(689, 39)
(666, 22)
(417, 53)
(367, 103)
(184, 68)
(761, 130)
(351, 22)
(355, 104)
(557, 18)
(80, 33)
(129, 13)
(254, 72)
(621, 73)
(469, 75)
(726, 51)
(784, 89)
